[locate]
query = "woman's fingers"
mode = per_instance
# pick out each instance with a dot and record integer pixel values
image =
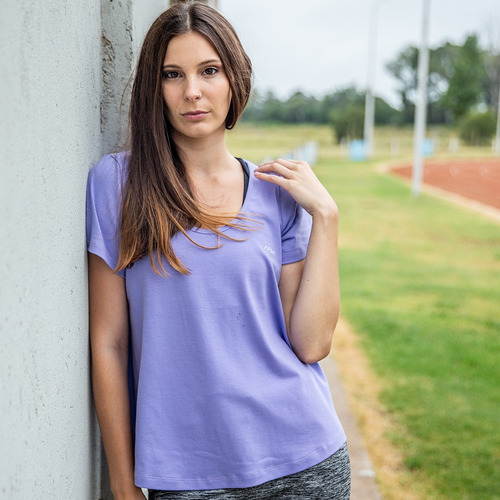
(299, 180)
(281, 167)
(273, 178)
(290, 164)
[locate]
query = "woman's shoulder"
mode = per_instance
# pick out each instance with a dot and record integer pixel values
(110, 172)
(107, 178)
(251, 165)
(111, 164)
(268, 189)
(277, 198)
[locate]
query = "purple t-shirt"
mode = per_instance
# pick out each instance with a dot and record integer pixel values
(221, 399)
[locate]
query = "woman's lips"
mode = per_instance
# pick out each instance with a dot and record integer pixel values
(195, 115)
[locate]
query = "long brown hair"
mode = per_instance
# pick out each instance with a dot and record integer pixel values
(158, 201)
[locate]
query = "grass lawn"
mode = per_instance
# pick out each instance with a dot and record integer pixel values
(420, 282)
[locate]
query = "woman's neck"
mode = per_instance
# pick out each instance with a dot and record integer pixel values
(215, 176)
(207, 156)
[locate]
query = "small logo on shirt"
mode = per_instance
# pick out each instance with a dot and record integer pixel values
(267, 248)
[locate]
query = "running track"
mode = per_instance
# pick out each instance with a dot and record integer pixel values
(478, 180)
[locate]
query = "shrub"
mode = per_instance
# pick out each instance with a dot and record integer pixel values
(477, 129)
(347, 122)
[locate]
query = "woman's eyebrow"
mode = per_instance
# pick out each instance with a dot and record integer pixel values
(203, 63)
(210, 61)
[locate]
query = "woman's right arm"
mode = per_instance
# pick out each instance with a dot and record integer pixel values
(109, 334)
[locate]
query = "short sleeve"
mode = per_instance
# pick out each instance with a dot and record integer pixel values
(104, 188)
(295, 229)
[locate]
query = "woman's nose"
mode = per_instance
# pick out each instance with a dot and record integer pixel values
(192, 91)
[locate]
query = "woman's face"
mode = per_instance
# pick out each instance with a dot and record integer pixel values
(195, 88)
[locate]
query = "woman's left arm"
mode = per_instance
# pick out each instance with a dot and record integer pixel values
(309, 288)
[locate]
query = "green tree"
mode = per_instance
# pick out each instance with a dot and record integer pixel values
(405, 69)
(491, 83)
(466, 82)
(253, 109)
(272, 108)
(325, 106)
(347, 113)
(300, 108)
(385, 114)
(347, 123)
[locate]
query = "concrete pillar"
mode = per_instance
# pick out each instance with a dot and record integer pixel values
(118, 60)
(50, 89)
(212, 3)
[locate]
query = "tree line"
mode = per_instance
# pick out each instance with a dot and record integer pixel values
(463, 89)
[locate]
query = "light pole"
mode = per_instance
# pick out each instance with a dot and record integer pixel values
(421, 103)
(369, 123)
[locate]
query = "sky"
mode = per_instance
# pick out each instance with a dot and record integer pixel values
(318, 46)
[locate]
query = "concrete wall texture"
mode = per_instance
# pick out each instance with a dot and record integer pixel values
(63, 69)
(50, 134)
(50, 74)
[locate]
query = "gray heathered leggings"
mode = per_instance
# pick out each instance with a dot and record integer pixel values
(328, 480)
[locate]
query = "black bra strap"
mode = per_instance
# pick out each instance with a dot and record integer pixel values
(246, 176)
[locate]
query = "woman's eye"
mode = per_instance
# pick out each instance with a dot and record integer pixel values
(170, 75)
(210, 71)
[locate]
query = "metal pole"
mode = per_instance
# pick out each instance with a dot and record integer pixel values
(369, 123)
(369, 98)
(421, 103)
(497, 135)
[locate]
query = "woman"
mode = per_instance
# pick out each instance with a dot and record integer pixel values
(223, 276)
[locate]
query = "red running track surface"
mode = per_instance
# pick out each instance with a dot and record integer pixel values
(475, 179)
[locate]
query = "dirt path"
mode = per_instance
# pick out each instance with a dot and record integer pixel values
(363, 479)
(366, 413)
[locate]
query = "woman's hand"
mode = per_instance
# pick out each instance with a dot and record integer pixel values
(299, 180)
